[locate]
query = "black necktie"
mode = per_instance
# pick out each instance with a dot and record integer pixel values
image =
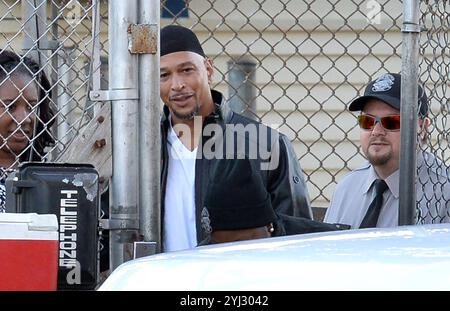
(371, 218)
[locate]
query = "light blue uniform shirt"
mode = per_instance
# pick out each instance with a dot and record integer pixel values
(355, 192)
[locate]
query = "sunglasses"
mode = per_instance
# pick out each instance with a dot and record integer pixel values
(368, 122)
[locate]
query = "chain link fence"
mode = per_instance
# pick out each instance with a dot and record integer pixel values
(434, 71)
(309, 60)
(58, 36)
(294, 65)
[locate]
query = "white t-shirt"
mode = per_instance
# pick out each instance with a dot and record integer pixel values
(179, 203)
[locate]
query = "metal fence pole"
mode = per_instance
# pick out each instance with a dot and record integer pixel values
(96, 61)
(34, 15)
(66, 104)
(123, 79)
(409, 98)
(241, 86)
(149, 130)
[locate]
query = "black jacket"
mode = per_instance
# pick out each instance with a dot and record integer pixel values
(285, 183)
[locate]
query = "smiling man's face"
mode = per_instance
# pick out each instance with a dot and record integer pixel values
(185, 79)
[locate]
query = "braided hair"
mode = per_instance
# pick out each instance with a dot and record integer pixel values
(11, 64)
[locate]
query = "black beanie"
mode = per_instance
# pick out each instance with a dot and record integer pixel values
(175, 38)
(236, 197)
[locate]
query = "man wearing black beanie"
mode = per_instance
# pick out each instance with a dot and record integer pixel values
(195, 128)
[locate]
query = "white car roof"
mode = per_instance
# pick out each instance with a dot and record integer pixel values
(402, 258)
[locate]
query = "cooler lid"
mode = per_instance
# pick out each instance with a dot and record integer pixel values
(34, 222)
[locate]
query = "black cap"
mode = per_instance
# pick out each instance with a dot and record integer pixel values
(236, 197)
(175, 38)
(387, 89)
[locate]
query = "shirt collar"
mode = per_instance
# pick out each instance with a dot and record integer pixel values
(392, 181)
(372, 176)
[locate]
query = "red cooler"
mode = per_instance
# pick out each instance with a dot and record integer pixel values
(28, 252)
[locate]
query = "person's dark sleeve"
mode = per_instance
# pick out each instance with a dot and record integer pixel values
(286, 182)
(289, 225)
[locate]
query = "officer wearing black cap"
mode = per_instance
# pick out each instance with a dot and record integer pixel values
(369, 196)
(191, 110)
(387, 89)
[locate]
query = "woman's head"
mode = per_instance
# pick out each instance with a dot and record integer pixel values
(25, 112)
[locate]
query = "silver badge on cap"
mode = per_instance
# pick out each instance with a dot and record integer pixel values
(383, 83)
